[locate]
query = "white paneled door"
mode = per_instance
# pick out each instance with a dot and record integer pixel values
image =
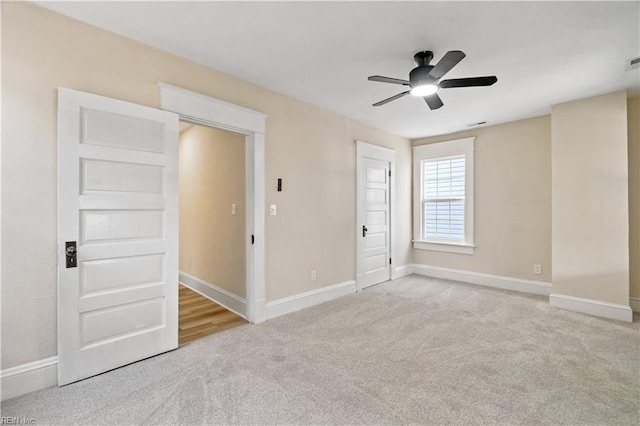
(117, 233)
(374, 216)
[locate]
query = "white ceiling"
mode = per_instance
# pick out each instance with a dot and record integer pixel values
(543, 53)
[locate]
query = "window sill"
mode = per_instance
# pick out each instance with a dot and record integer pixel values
(447, 247)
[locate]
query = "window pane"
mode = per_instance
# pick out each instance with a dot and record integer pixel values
(444, 220)
(444, 178)
(444, 189)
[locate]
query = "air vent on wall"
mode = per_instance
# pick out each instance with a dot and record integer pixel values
(632, 64)
(479, 123)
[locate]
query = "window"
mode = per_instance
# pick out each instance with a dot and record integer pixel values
(443, 196)
(443, 199)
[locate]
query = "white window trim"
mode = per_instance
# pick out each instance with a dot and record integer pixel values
(436, 150)
(448, 247)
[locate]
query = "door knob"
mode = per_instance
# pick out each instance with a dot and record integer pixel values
(70, 254)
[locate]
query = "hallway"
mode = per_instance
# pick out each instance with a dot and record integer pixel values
(201, 317)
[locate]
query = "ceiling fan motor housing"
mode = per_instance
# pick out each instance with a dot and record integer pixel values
(420, 76)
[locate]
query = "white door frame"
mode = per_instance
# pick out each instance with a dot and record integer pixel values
(367, 150)
(201, 109)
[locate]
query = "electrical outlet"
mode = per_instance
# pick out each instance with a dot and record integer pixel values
(272, 210)
(188, 262)
(233, 209)
(314, 276)
(537, 269)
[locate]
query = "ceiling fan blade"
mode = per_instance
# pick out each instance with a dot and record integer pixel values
(468, 82)
(382, 79)
(433, 101)
(393, 98)
(448, 61)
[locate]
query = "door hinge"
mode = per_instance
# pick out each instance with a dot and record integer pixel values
(253, 239)
(389, 261)
(389, 173)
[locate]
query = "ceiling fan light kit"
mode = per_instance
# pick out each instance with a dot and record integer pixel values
(424, 89)
(424, 80)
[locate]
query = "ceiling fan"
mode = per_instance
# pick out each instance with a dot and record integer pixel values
(424, 80)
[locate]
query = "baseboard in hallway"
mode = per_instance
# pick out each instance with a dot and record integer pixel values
(222, 297)
(199, 317)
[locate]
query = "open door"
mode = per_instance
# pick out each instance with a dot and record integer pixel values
(117, 233)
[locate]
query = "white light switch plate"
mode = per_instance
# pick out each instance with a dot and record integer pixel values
(233, 209)
(272, 210)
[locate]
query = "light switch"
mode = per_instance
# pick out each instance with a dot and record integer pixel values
(233, 209)
(272, 210)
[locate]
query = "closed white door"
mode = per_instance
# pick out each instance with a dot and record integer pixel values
(374, 225)
(118, 211)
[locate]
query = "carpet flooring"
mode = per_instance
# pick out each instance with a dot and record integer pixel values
(415, 350)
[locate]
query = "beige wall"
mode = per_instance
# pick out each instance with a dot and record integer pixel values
(590, 234)
(310, 148)
(212, 178)
(633, 118)
(512, 182)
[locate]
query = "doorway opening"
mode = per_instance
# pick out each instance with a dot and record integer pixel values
(197, 108)
(212, 231)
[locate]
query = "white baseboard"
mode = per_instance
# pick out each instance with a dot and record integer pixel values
(401, 271)
(498, 281)
(634, 304)
(591, 307)
(305, 300)
(219, 295)
(29, 377)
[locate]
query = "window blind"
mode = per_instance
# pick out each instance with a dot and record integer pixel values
(443, 198)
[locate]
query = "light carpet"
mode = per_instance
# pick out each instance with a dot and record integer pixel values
(414, 350)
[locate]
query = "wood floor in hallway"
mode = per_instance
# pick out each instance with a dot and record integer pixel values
(201, 317)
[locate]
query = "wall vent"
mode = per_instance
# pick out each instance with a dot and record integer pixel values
(632, 64)
(479, 123)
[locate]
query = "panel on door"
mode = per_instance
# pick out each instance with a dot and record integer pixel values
(118, 202)
(375, 238)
